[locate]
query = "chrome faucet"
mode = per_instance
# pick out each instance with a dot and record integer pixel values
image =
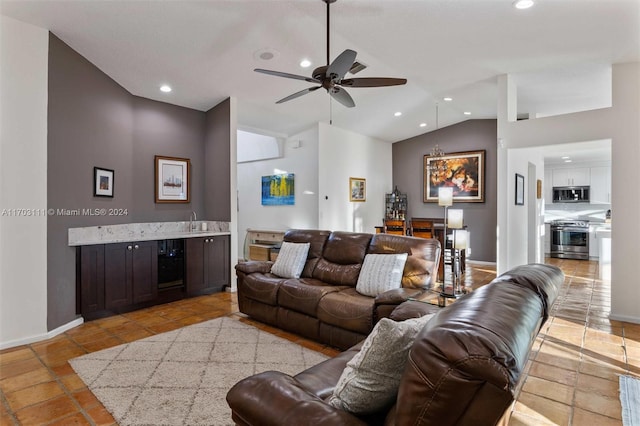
(192, 218)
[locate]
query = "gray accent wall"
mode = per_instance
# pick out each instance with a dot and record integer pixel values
(471, 135)
(93, 121)
(217, 151)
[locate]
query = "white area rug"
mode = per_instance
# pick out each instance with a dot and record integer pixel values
(182, 377)
(630, 400)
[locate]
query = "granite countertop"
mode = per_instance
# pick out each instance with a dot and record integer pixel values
(131, 232)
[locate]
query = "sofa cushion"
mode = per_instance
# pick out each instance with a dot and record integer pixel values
(342, 258)
(316, 239)
(347, 309)
(371, 378)
(261, 287)
(424, 255)
(304, 294)
(380, 272)
(291, 260)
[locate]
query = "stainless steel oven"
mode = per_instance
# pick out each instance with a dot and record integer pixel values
(570, 239)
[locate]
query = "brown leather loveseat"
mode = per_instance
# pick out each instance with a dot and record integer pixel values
(463, 368)
(323, 304)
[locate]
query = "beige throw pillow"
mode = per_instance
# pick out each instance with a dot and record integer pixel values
(371, 379)
(381, 272)
(291, 259)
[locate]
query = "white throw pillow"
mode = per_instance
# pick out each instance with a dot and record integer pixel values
(371, 379)
(380, 272)
(291, 259)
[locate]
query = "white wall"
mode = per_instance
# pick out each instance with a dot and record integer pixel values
(344, 154)
(300, 156)
(23, 181)
(323, 158)
(521, 248)
(618, 123)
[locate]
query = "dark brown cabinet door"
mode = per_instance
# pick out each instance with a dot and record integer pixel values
(194, 270)
(90, 277)
(217, 262)
(117, 271)
(144, 271)
(207, 261)
(131, 273)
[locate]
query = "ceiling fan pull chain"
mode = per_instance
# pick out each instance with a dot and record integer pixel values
(330, 111)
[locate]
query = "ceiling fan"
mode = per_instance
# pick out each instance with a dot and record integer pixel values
(331, 76)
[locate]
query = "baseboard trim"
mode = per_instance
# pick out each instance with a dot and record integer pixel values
(624, 318)
(39, 337)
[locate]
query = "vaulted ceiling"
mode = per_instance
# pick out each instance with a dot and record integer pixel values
(559, 51)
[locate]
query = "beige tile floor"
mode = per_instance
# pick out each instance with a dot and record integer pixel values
(571, 376)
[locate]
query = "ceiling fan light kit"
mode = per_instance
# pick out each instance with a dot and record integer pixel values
(331, 76)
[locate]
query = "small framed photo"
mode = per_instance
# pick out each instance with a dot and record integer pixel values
(357, 189)
(102, 182)
(172, 179)
(519, 190)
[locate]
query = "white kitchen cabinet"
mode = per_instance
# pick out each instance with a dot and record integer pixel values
(578, 176)
(547, 239)
(593, 242)
(600, 185)
(548, 186)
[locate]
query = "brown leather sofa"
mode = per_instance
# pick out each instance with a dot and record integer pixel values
(464, 368)
(323, 304)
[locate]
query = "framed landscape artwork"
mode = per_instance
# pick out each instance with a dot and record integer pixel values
(462, 171)
(102, 182)
(357, 189)
(172, 179)
(278, 190)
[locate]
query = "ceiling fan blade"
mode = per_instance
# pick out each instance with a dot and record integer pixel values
(341, 95)
(298, 94)
(372, 82)
(341, 65)
(287, 75)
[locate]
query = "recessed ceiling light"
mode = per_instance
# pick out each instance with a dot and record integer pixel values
(305, 63)
(423, 124)
(565, 157)
(265, 54)
(466, 113)
(447, 99)
(165, 88)
(567, 161)
(398, 114)
(523, 4)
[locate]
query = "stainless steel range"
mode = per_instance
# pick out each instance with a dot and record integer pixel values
(570, 239)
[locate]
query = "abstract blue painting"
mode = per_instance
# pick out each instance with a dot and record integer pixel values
(278, 190)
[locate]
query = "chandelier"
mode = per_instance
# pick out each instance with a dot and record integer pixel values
(436, 164)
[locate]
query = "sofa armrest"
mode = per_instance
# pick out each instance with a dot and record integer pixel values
(413, 309)
(274, 398)
(252, 266)
(397, 296)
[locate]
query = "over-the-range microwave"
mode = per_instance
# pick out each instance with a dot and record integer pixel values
(571, 194)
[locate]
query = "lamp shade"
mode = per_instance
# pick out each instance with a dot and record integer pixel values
(460, 242)
(445, 196)
(454, 218)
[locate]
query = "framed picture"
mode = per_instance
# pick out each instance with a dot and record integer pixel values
(538, 189)
(519, 190)
(172, 179)
(278, 190)
(462, 171)
(357, 189)
(102, 182)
